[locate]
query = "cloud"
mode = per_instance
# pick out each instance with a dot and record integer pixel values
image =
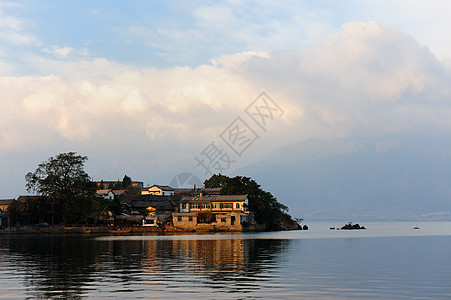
(58, 51)
(12, 28)
(366, 79)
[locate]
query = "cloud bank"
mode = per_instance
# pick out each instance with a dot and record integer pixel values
(366, 79)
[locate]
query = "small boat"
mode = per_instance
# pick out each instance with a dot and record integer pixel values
(120, 230)
(416, 227)
(87, 231)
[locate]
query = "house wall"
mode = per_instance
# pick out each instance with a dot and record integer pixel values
(154, 190)
(214, 207)
(187, 223)
(222, 223)
(150, 221)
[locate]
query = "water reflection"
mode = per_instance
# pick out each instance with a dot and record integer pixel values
(74, 267)
(51, 266)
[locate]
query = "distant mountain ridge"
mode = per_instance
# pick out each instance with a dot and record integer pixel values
(399, 177)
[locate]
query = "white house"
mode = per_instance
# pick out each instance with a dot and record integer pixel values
(160, 190)
(106, 194)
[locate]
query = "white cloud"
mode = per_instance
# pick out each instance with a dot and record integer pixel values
(427, 22)
(60, 52)
(12, 28)
(366, 79)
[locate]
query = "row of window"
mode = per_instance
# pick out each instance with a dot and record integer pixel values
(211, 205)
(179, 218)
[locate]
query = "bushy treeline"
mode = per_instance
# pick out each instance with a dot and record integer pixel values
(266, 208)
(68, 195)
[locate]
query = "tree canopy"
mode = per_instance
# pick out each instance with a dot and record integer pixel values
(60, 176)
(63, 180)
(263, 204)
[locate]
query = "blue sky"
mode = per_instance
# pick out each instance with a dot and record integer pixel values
(142, 87)
(162, 34)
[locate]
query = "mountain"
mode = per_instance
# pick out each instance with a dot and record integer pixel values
(400, 177)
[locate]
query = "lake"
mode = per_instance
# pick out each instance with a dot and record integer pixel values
(389, 260)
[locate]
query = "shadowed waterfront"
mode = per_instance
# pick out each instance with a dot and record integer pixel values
(390, 261)
(53, 266)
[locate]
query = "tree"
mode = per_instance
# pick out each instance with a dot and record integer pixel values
(126, 182)
(66, 184)
(117, 185)
(263, 204)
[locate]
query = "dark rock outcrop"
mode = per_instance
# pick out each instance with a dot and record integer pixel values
(350, 226)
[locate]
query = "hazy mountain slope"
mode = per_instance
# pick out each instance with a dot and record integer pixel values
(396, 178)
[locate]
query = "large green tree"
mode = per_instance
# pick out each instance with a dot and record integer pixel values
(63, 180)
(264, 205)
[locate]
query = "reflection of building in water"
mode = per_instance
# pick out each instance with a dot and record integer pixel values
(218, 258)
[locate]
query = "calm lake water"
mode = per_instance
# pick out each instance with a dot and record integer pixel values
(389, 260)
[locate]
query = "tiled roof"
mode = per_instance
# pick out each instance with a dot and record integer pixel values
(144, 201)
(29, 197)
(118, 192)
(6, 201)
(163, 187)
(216, 198)
(103, 192)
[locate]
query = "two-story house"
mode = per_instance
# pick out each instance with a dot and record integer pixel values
(213, 212)
(160, 190)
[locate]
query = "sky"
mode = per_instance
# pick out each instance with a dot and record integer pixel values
(153, 89)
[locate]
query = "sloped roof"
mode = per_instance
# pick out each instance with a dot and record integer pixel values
(129, 217)
(144, 201)
(29, 197)
(6, 201)
(216, 198)
(162, 187)
(192, 191)
(118, 192)
(103, 192)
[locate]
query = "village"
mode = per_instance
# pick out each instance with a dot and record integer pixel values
(154, 208)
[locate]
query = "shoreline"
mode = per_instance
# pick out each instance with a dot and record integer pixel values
(86, 230)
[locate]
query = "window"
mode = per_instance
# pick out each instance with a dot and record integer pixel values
(194, 205)
(223, 220)
(237, 206)
(227, 205)
(179, 218)
(190, 218)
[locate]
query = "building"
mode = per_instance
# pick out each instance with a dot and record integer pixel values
(214, 212)
(196, 192)
(4, 217)
(4, 204)
(106, 194)
(152, 210)
(110, 194)
(160, 190)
